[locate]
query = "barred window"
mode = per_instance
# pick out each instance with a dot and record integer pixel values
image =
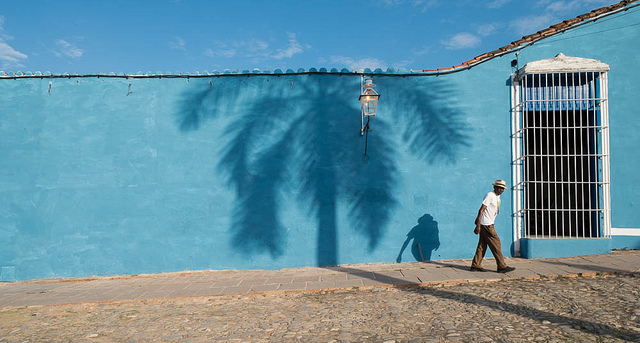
(561, 158)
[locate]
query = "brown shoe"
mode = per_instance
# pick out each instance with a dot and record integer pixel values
(506, 269)
(477, 269)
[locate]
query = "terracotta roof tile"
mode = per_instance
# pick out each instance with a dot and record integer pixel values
(551, 30)
(571, 21)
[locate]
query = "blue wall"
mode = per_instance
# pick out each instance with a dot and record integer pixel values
(267, 171)
(253, 173)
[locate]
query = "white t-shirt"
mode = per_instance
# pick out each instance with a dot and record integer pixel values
(492, 201)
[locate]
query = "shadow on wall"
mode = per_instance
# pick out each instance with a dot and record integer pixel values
(299, 135)
(426, 239)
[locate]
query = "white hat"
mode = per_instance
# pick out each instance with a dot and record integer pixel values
(500, 183)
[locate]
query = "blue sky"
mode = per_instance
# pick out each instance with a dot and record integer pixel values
(91, 36)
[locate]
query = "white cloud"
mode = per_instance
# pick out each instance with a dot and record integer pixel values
(256, 49)
(355, 64)
(463, 40)
(9, 56)
(403, 63)
(498, 3)
(554, 12)
(561, 7)
(532, 24)
(424, 5)
(487, 29)
(251, 48)
(421, 5)
(227, 53)
(425, 50)
(255, 45)
(178, 44)
(292, 49)
(391, 2)
(68, 49)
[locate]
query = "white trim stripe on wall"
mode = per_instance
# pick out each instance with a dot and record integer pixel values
(625, 232)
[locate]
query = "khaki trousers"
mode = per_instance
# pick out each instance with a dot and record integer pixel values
(488, 237)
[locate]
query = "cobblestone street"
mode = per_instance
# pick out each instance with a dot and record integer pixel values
(577, 309)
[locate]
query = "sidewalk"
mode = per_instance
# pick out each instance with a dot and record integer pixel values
(242, 282)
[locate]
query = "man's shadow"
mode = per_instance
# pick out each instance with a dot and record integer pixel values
(426, 239)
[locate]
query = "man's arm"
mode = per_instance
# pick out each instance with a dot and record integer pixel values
(480, 211)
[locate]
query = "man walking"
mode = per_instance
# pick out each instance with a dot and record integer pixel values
(488, 235)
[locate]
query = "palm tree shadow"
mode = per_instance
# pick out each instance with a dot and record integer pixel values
(434, 126)
(304, 141)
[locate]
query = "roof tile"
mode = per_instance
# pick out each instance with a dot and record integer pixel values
(552, 30)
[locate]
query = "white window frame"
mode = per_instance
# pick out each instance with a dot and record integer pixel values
(565, 66)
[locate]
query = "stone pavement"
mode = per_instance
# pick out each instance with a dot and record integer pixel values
(311, 279)
(578, 299)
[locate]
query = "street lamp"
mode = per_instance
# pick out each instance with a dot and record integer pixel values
(368, 102)
(368, 105)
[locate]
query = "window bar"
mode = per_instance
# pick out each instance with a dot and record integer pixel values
(538, 164)
(540, 157)
(577, 180)
(587, 133)
(565, 114)
(596, 148)
(551, 139)
(541, 174)
(523, 156)
(590, 185)
(599, 108)
(562, 146)
(531, 159)
(564, 137)
(604, 136)
(516, 199)
(575, 160)
(548, 157)
(532, 163)
(603, 140)
(576, 167)
(597, 113)
(525, 163)
(526, 143)
(603, 148)
(604, 109)
(568, 162)
(554, 130)
(568, 153)
(598, 145)
(560, 131)
(580, 168)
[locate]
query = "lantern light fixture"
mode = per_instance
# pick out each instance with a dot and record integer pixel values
(368, 102)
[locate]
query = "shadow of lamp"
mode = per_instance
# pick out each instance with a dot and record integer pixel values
(368, 104)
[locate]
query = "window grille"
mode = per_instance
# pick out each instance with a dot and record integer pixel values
(561, 155)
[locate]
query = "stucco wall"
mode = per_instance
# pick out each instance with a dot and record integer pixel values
(258, 172)
(267, 171)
